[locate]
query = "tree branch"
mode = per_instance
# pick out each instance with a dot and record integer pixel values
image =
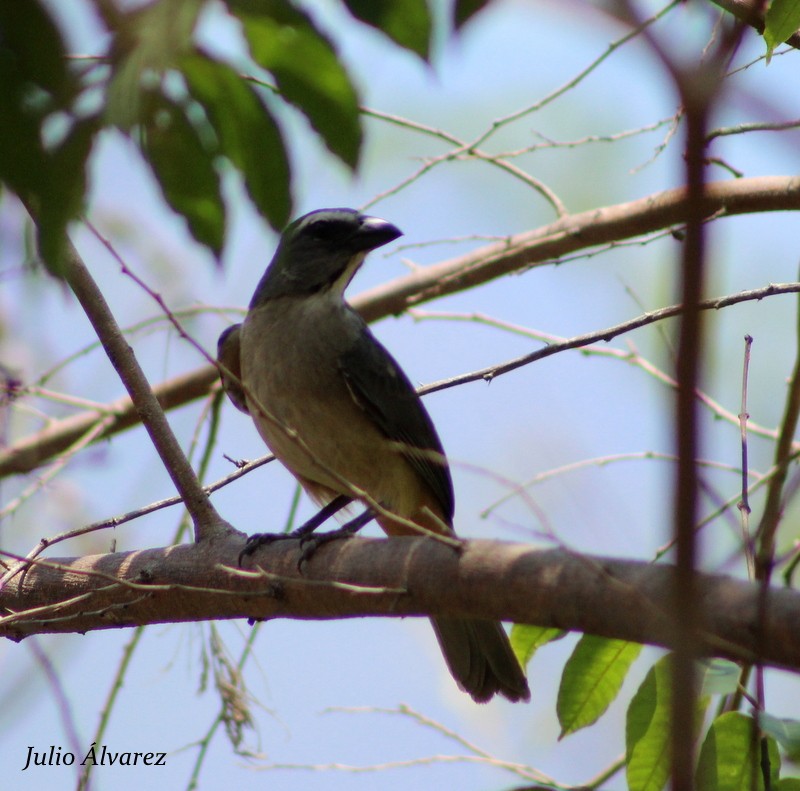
(625, 599)
(573, 233)
(38, 448)
(204, 516)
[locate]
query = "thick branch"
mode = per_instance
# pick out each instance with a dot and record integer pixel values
(625, 599)
(573, 233)
(38, 448)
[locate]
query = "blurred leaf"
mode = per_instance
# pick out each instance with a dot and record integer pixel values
(464, 10)
(248, 136)
(406, 22)
(31, 44)
(781, 21)
(36, 99)
(184, 168)
(592, 679)
(147, 42)
(788, 784)
(285, 42)
(62, 198)
(719, 676)
(730, 756)
(785, 731)
(22, 154)
(526, 639)
(647, 730)
(34, 82)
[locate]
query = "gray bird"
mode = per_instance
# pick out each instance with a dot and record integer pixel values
(336, 409)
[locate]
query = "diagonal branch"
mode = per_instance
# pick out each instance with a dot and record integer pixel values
(573, 233)
(206, 520)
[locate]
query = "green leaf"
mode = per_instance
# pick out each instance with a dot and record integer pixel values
(647, 730)
(248, 136)
(592, 679)
(43, 152)
(304, 63)
(147, 42)
(407, 22)
(62, 198)
(31, 45)
(785, 731)
(34, 82)
(464, 10)
(185, 170)
(781, 21)
(788, 784)
(526, 639)
(730, 756)
(719, 676)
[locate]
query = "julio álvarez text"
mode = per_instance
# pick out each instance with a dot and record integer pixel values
(99, 755)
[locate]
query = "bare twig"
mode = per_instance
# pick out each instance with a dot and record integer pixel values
(699, 83)
(764, 126)
(630, 356)
(744, 503)
(579, 341)
(576, 232)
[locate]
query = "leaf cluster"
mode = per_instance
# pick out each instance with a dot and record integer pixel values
(738, 752)
(189, 112)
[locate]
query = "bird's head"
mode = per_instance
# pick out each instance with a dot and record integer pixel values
(321, 251)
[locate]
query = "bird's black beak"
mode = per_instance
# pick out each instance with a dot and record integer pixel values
(374, 232)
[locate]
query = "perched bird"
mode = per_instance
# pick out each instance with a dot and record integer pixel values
(336, 409)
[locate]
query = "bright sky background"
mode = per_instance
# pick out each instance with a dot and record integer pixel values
(560, 411)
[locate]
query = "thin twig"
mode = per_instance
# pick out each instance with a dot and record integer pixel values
(491, 372)
(744, 503)
(630, 356)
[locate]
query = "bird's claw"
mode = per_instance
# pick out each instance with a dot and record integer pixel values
(259, 540)
(311, 543)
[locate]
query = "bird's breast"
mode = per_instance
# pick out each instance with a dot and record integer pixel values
(304, 410)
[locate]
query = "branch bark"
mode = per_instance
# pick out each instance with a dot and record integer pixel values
(523, 251)
(625, 599)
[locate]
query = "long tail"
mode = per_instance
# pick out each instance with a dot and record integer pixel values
(479, 656)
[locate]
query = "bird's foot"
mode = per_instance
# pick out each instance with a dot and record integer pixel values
(259, 540)
(309, 543)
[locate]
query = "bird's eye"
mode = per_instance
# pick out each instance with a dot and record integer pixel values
(326, 229)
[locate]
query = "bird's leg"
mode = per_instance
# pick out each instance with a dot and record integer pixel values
(302, 532)
(311, 543)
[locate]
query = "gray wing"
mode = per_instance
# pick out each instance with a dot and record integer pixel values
(383, 391)
(228, 355)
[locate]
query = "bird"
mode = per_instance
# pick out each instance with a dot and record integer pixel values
(339, 413)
